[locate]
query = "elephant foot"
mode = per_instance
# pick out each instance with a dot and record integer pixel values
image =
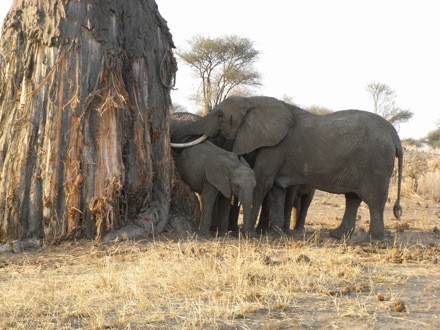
(341, 232)
(234, 233)
(299, 229)
(378, 236)
(222, 233)
(274, 233)
(297, 232)
(249, 234)
(261, 230)
(233, 228)
(204, 234)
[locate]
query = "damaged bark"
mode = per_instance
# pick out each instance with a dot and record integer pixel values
(84, 99)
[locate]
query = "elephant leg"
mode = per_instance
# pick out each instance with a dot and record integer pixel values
(215, 220)
(277, 209)
(348, 224)
(289, 204)
(264, 222)
(377, 228)
(259, 192)
(209, 196)
(304, 203)
(224, 205)
(234, 213)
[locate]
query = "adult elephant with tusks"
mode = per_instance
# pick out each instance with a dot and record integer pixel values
(350, 152)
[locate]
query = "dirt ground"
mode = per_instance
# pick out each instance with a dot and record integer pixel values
(394, 284)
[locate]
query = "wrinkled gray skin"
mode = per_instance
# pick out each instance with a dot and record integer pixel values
(276, 218)
(348, 152)
(209, 170)
(222, 204)
(277, 214)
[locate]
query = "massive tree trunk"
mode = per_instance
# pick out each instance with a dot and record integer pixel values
(84, 99)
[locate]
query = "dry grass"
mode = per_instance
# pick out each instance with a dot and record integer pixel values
(421, 172)
(429, 185)
(304, 282)
(225, 283)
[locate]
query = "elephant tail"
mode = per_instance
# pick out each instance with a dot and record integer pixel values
(397, 210)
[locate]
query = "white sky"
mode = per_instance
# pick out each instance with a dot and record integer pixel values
(321, 52)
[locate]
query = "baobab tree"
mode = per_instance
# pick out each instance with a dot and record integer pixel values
(84, 99)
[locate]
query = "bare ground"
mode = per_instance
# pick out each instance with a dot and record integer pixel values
(311, 281)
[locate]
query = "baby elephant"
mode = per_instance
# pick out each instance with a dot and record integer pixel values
(215, 174)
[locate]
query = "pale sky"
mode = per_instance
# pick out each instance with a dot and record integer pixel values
(321, 52)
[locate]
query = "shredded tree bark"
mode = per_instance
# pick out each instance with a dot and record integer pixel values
(84, 99)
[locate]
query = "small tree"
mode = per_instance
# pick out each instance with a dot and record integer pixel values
(223, 64)
(316, 109)
(433, 138)
(176, 107)
(384, 103)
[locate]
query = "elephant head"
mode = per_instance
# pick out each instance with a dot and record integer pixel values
(229, 175)
(249, 122)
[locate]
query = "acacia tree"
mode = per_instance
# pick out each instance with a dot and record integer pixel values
(384, 103)
(223, 64)
(84, 99)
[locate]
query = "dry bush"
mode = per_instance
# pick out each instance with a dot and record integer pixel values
(429, 185)
(420, 172)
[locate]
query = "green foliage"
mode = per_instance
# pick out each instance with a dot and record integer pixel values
(223, 64)
(433, 138)
(384, 104)
(412, 142)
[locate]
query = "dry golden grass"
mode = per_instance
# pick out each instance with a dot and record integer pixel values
(224, 283)
(304, 282)
(429, 185)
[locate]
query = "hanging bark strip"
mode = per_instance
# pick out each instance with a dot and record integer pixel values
(84, 99)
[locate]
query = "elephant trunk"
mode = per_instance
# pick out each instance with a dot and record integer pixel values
(205, 126)
(245, 196)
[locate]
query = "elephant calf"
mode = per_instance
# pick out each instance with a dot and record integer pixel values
(215, 174)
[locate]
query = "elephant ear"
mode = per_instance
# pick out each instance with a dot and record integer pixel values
(244, 162)
(217, 173)
(263, 126)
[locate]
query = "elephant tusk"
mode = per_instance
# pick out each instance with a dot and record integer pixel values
(191, 143)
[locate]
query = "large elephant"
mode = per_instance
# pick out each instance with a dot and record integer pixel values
(274, 214)
(348, 152)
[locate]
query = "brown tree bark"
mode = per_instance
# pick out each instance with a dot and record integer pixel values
(84, 99)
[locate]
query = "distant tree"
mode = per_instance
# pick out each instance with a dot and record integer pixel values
(176, 107)
(317, 110)
(433, 138)
(413, 142)
(289, 99)
(384, 103)
(223, 64)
